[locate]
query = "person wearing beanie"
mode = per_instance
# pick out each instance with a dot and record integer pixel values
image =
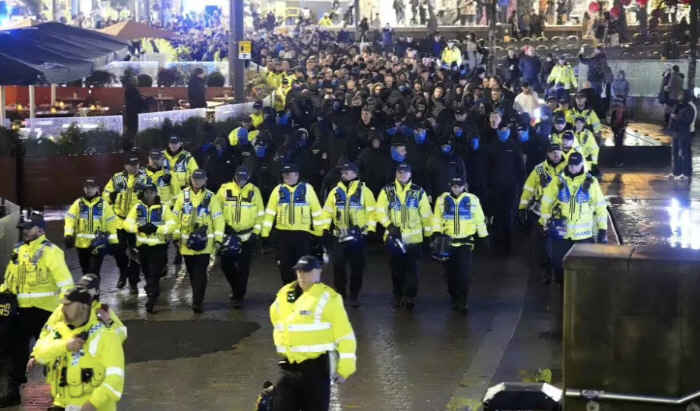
(443, 166)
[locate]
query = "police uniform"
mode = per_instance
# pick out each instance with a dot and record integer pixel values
(122, 193)
(349, 211)
(244, 212)
(589, 147)
(570, 145)
(168, 187)
(404, 210)
(257, 115)
(460, 217)
(572, 211)
(296, 214)
(181, 164)
(152, 224)
(87, 219)
(95, 373)
(563, 77)
(314, 340)
(592, 120)
(37, 272)
(544, 174)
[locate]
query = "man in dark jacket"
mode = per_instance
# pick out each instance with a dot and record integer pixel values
(533, 146)
(419, 150)
(530, 67)
(597, 68)
(512, 69)
(443, 166)
(133, 105)
(372, 162)
(196, 92)
(682, 119)
(220, 165)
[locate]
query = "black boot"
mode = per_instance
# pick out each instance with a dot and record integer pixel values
(121, 283)
(667, 117)
(151, 304)
(10, 398)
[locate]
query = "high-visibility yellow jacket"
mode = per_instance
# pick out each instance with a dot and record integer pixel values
(95, 374)
(168, 185)
(589, 147)
(313, 324)
(128, 187)
(257, 119)
(244, 210)
(281, 97)
(576, 149)
(293, 208)
(156, 214)
(325, 22)
(274, 79)
(408, 208)
(348, 207)
(563, 75)
(459, 218)
(579, 201)
(539, 179)
(115, 322)
(37, 272)
(193, 210)
(86, 217)
(591, 117)
(451, 55)
(181, 166)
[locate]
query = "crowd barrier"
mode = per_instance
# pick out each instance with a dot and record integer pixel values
(155, 120)
(185, 68)
(227, 111)
(644, 76)
(8, 233)
(53, 126)
(117, 68)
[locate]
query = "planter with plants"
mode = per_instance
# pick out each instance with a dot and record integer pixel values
(10, 149)
(77, 154)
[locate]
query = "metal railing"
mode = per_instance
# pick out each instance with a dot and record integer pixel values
(596, 396)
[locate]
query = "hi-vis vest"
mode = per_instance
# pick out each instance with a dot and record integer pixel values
(348, 207)
(408, 209)
(459, 218)
(85, 218)
(293, 209)
(539, 179)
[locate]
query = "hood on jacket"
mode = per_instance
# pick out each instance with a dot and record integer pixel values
(624, 75)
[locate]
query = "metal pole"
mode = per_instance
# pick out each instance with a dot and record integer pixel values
(147, 5)
(32, 102)
(236, 67)
(3, 97)
(357, 20)
(53, 95)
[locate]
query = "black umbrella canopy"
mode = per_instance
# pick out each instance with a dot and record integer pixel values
(54, 53)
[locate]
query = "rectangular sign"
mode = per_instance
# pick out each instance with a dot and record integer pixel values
(244, 50)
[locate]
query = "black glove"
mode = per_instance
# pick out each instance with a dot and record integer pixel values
(253, 238)
(113, 197)
(394, 231)
(483, 242)
(69, 241)
(522, 216)
(167, 178)
(595, 172)
(326, 239)
(602, 237)
(217, 246)
(116, 249)
(143, 229)
(152, 228)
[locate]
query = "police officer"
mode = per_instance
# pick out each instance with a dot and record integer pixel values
(581, 109)
(179, 161)
(122, 193)
(404, 210)
(168, 187)
(315, 349)
(151, 222)
(295, 211)
(571, 210)
(36, 274)
(560, 126)
(544, 174)
(569, 145)
(349, 209)
(88, 217)
(199, 231)
(588, 144)
(244, 212)
(84, 358)
(458, 215)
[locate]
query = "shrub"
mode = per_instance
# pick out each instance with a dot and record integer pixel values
(168, 77)
(145, 80)
(74, 141)
(10, 143)
(216, 79)
(100, 78)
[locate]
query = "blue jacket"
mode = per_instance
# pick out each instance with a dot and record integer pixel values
(530, 67)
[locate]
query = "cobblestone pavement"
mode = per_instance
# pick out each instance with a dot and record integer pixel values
(218, 360)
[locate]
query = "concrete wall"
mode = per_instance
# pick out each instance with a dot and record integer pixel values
(631, 323)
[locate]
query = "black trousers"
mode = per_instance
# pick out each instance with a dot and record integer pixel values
(237, 270)
(457, 272)
(541, 244)
(128, 268)
(28, 324)
(196, 266)
(291, 246)
(305, 386)
(404, 271)
(559, 250)
(505, 204)
(357, 258)
(89, 263)
(153, 260)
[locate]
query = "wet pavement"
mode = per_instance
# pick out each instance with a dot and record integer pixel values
(430, 359)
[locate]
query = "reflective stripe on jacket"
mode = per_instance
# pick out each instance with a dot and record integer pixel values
(85, 218)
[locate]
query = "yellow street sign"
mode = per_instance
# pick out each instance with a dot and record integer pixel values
(244, 50)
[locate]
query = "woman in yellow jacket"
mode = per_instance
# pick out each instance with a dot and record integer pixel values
(152, 222)
(90, 216)
(84, 359)
(199, 232)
